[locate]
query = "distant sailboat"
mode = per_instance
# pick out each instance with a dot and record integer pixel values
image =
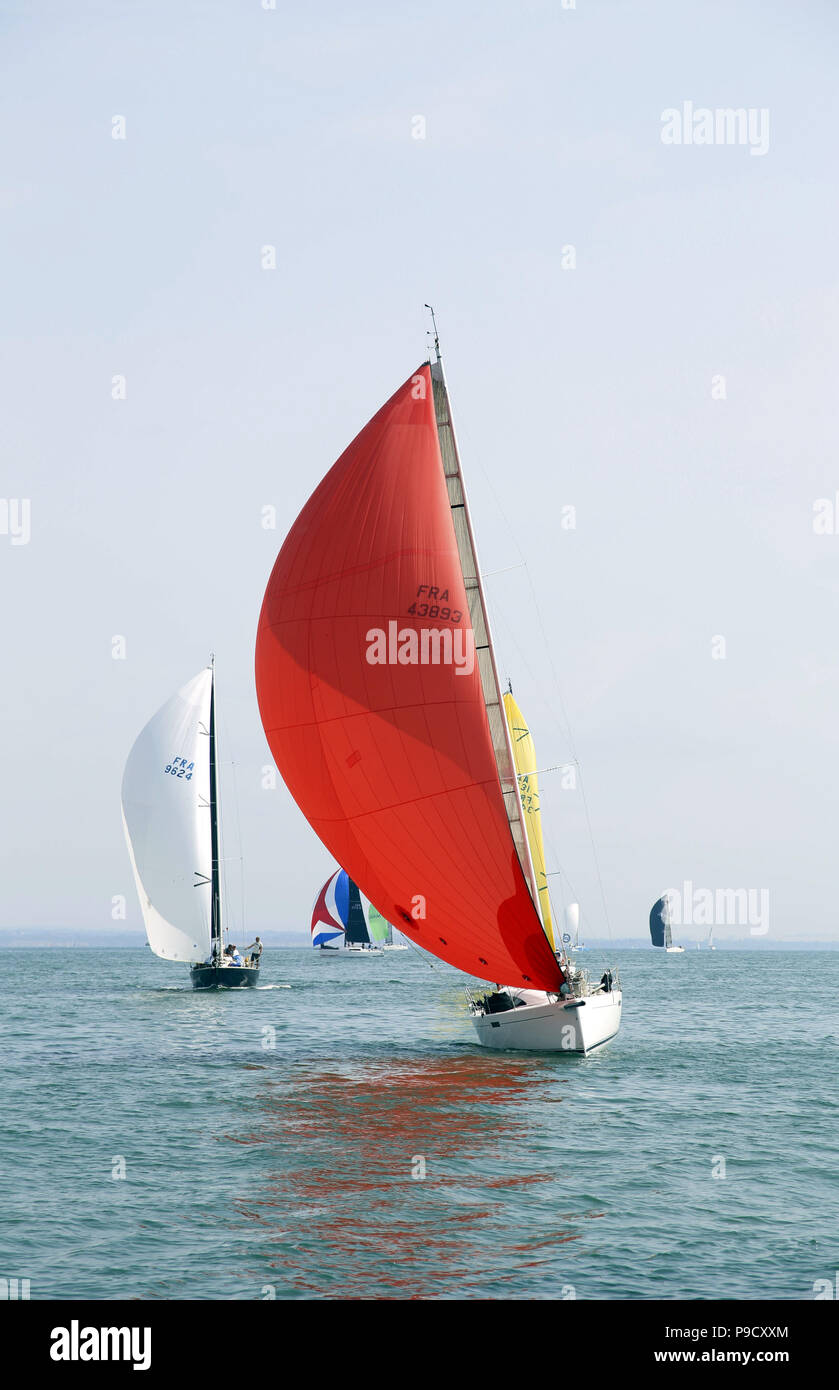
(660, 933)
(572, 922)
(170, 816)
(343, 918)
(379, 695)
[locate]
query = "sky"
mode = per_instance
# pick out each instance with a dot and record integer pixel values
(645, 332)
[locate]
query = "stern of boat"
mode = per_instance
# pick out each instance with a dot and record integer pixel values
(224, 976)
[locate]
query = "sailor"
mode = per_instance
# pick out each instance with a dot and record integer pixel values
(254, 951)
(233, 956)
(606, 982)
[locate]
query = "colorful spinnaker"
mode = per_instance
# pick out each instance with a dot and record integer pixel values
(330, 912)
(343, 914)
(379, 696)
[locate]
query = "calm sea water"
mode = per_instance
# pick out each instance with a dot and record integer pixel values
(270, 1139)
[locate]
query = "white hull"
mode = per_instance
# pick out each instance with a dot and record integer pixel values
(674, 950)
(546, 1024)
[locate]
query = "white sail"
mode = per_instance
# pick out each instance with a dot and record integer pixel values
(166, 814)
(572, 921)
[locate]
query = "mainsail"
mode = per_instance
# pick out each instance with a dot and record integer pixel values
(374, 707)
(166, 807)
(524, 755)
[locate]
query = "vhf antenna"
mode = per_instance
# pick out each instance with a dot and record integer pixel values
(436, 334)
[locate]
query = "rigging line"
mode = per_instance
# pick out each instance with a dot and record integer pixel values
(551, 663)
(546, 647)
(230, 763)
(491, 573)
(238, 832)
(566, 734)
(575, 897)
(510, 640)
(222, 860)
(558, 689)
(424, 955)
(525, 565)
(595, 857)
(538, 772)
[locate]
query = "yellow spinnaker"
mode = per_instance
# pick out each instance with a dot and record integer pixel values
(524, 753)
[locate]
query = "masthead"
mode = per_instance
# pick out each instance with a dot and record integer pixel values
(436, 334)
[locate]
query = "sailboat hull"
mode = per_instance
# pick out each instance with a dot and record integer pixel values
(544, 1024)
(223, 977)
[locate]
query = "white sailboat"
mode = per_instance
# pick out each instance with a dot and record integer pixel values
(572, 923)
(379, 694)
(170, 816)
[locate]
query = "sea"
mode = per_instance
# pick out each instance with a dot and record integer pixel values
(337, 1133)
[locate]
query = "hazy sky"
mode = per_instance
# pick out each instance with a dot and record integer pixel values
(595, 387)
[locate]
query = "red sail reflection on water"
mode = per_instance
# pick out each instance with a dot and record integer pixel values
(341, 1212)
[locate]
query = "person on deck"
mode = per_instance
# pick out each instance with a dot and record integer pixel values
(233, 956)
(254, 951)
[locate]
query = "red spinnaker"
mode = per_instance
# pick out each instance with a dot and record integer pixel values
(392, 764)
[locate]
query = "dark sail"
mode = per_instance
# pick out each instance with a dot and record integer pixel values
(659, 922)
(356, 933)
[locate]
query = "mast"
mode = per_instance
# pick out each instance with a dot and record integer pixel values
(485, 652)
(215, 891)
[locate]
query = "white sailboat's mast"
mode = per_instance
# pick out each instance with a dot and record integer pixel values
(215, 890)
(489, 679)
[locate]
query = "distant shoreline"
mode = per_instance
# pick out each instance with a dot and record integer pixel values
(29, 939)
